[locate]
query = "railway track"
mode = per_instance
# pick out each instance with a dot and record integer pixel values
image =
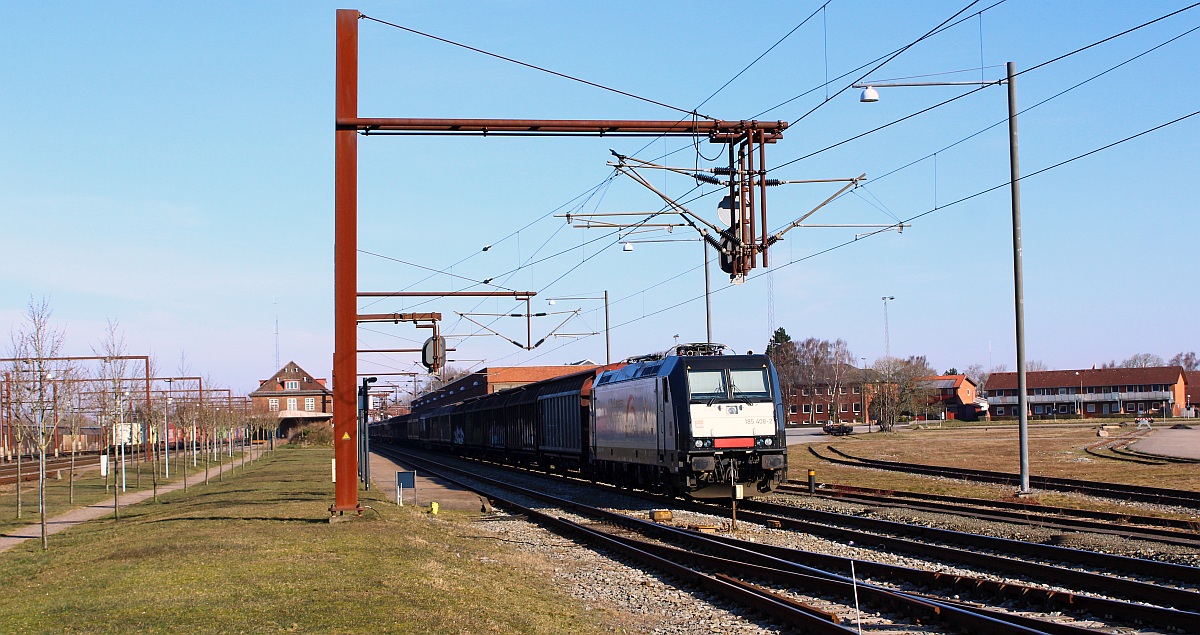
(29, 468)
(1118, 491)
(1185, 533)
(1169, 608)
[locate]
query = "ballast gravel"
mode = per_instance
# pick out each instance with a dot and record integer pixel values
(652, 603)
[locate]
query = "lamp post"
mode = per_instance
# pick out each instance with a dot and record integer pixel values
(607, 339)
(121, 398)
(364, 444)
(862, 393)
(41, 421)
(887, 360)
(1080, 411)
(870, 94)
(167, 434)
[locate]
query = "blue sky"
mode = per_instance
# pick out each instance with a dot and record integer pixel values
(171, 166)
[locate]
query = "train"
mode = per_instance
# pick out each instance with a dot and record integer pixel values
(695, 420)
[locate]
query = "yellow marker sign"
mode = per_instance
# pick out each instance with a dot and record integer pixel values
(345, 436)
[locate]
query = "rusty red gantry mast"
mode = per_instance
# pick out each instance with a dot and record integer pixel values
(748, 137)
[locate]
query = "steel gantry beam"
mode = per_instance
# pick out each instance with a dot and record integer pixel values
(348, 126)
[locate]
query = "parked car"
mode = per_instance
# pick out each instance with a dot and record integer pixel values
(837, 429)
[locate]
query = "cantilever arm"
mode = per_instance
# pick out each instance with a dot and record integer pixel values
(796, 223)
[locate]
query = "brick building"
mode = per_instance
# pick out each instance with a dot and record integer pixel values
(1094, 392)
(846, 398)
(294, 396)
(956, 394)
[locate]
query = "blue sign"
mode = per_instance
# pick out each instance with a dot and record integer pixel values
(406, 479)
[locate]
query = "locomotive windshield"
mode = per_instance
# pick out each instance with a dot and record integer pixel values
(707, 384)
(750, 384)
(731, 384)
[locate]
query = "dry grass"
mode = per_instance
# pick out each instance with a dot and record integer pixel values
(1052, 452)
(257, 555)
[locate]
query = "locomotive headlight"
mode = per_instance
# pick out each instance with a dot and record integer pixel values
(699, 443)
(768, 441)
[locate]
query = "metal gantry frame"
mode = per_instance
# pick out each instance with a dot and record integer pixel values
(744, 137)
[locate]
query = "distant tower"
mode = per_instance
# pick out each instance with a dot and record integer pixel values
(276, 305)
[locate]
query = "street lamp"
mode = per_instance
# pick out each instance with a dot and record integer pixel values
(167, 433)
(887, 359)
(862, 393)
(41, 420)
(364, 447)
(607, 340)
(121, 399)
(870, 95)
(1080, 410)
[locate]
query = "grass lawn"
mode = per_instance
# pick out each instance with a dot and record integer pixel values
(256, 554)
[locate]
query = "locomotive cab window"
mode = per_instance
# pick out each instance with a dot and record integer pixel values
(707, 384)
(749, 384)
(735, 384)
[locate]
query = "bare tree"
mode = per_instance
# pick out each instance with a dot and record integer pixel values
(813, 357)
(36, 344)
(979, 373)
(110, 399)
(902, 391)
(1187, 360)
(74, 423)
(20, 394)
(839, 365)
(883, 406)
(1034, 365)
(913, 395)
(1143, 360)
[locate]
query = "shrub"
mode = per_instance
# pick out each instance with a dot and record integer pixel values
(310, 434)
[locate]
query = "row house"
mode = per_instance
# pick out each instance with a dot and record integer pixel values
(1157, 391)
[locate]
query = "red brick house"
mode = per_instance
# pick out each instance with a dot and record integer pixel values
(294, 396)
(1094, 392)
(957, 394)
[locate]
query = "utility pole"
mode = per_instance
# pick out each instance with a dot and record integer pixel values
(887, 359)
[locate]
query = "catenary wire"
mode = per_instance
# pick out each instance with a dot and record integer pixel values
(975, 90)
(917, 216)
(538, 68)
(889, 58)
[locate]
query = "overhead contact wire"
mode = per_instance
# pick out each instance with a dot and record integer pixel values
(538, 68)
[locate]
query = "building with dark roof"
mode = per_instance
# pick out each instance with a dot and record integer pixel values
(1092, 392)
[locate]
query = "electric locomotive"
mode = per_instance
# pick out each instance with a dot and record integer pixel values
(692, 421)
